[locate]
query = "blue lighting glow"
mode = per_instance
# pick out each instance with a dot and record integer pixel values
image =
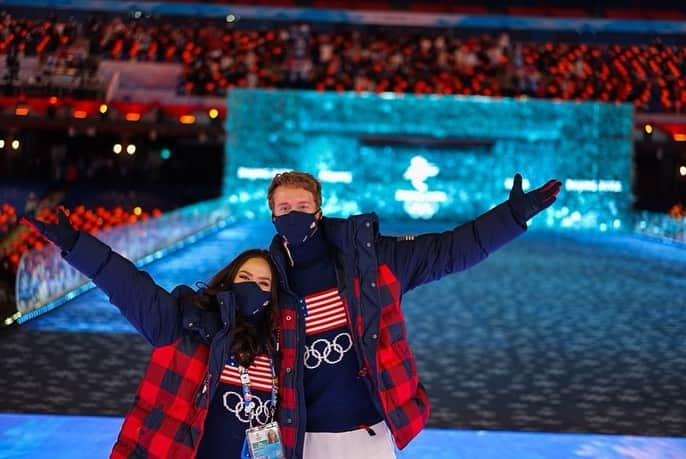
(439, 157)
(257, 173)
(86, 437)
(326, 176)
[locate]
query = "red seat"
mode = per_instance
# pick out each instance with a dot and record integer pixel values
(562, 12)
(665, 15)
(429, 8)
(331, 4)
(372, 5)
(624, 13)
(469, 9)
(526, 10)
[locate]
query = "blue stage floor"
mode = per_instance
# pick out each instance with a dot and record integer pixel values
(85, 437)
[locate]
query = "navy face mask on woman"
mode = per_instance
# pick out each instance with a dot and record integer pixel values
(296, 227)
(251, 300)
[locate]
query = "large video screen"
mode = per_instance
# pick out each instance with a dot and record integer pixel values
(431, 157)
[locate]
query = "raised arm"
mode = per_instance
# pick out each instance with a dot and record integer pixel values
(429, 257)
(153, 311)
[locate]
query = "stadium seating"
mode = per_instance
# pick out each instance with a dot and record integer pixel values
(216, 58)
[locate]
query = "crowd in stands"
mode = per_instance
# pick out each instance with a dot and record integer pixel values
(677, 211)
(616, 9)
(216, 58)
(42, 275)
(650, 76)
(17, 239)
(8, 217)
(9, 257)
(34, 36)
(63, 67)
(91, 208)
(100, 218)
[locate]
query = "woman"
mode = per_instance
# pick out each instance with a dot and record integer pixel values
(210, 347)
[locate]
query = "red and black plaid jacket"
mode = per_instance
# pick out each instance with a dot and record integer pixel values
(171, 404)
(374, 271)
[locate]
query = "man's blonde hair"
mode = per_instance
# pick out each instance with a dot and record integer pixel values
(295, 180)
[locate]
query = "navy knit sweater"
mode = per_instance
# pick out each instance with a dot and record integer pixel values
(337, 398)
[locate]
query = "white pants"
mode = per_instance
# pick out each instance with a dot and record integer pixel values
(355, 444)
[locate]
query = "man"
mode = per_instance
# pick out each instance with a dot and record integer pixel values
(349, 384)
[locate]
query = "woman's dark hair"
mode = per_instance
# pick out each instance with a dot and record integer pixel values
(248, 339)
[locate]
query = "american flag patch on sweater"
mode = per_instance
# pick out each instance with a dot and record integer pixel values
(260, 373)
(325, 311)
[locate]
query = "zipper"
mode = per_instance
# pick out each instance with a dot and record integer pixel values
(204, 387)
(299, 388)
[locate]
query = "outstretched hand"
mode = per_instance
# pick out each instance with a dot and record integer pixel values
(62, 233)
(526, 205)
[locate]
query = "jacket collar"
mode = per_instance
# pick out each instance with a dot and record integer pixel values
(227, 306)
(339, 232)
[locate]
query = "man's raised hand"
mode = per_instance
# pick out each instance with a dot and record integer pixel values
(525, 205)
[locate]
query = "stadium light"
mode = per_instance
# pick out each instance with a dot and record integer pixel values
(117, 148)
(131, 149)
(16, 144)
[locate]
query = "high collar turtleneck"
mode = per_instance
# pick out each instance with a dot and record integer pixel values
(311, 252)
(312, 270)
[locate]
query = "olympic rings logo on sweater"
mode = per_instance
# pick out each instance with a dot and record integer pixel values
(233, 402)
(325, 351)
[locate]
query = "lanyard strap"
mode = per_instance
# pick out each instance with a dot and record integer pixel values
(248, 403)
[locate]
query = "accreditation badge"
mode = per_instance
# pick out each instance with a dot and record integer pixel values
(264, 441)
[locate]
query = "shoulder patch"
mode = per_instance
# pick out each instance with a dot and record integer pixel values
(408, 237)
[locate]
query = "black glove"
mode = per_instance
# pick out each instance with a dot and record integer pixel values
(525, 205)
(62, 234)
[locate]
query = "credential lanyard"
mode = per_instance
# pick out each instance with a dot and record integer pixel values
(248, 403)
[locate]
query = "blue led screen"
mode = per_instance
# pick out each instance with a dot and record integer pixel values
(440, 157)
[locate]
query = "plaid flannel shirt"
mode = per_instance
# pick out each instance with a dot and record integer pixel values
(374, 271)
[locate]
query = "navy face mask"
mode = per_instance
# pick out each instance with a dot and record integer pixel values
(251, 300)
(296, 227)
